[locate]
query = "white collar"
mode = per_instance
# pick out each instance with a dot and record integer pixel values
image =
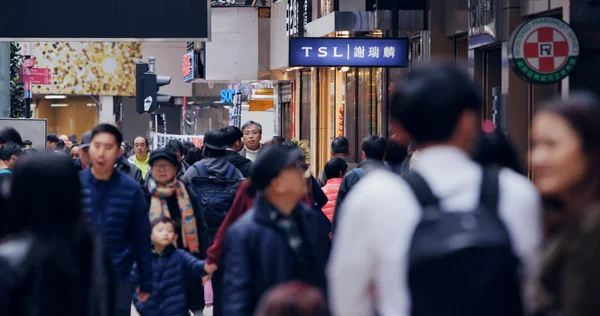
(439, 158)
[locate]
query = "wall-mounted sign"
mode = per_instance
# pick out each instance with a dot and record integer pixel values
(188, 66)
(351, 52)
(483, 17)
(293, 18)
(227, 95)
(107, 21)
(543, 50)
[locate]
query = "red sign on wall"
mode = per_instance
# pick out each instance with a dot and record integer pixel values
(37, 75)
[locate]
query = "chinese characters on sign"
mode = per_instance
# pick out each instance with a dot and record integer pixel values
(161, 140)
(341, 52)
(388, 52)
(188, 66)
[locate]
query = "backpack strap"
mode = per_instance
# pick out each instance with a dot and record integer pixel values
(201, 169)
(230, 171)
(489, 189)
(421, 189)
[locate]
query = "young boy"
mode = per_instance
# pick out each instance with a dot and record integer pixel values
(169, 267)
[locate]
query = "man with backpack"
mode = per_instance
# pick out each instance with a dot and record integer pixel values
(214, 180)
(449, 238)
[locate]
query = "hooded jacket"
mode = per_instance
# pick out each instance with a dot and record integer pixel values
(243, 164)
(214, 166)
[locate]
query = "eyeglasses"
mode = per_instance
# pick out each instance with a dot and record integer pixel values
(163, 166)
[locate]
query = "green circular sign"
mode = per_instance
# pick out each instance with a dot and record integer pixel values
(543, 50)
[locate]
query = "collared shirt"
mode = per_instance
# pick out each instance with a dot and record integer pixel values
(373, 239)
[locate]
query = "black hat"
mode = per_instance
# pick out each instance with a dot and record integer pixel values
(216, 140)
(164, 153)
(86, 139)
(271, 160)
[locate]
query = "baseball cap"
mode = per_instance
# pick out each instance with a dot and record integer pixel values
(86, 139)
(163, 153)
(216, 140)
(270, 162)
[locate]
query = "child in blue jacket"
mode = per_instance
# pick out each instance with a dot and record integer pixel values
(169, 268)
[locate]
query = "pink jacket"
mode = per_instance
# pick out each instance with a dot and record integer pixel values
(331, 189)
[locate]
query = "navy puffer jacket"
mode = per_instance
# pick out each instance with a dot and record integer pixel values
(170, 270)
(118, 211)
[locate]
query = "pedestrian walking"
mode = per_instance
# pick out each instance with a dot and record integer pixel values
(566, 162)
(118, 211)
(290, 232)
(171, 267)
(335, 169)
(448, 238)
(169, 197)
(49, 246)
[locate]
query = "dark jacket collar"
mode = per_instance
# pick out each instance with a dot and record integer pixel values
(371, 163)
(266, 213)
(169, 250)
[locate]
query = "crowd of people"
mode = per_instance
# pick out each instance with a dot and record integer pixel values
(438, 219)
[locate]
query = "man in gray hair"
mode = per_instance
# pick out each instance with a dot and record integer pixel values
(252, 132)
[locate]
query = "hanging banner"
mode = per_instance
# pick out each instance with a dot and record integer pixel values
(160, 140)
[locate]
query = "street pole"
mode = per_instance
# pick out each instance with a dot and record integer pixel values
(4, 79)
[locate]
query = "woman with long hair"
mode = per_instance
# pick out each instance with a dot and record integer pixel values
(50, 264)
(566, 166)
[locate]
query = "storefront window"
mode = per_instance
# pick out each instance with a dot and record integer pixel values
(350, 113)
(305, 99)
(361, 114)
(367, 103)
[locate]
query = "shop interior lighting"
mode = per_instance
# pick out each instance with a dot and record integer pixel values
(344, 69)
(55, 97)
(91, 104)
(262, 97)
(58, 105)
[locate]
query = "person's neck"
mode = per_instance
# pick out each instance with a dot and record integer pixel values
(102, 176)
(3, 165)
(141, 158)
(253, 150)
(284, 204)
(159, 249)
(340, 156)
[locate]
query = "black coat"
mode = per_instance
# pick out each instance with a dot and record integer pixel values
(130, 169)
(242, 163)
(258, 257)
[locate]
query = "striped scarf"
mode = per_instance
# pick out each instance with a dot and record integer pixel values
(159, 208)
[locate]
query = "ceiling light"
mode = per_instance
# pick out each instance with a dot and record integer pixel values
(55, 97)
(91, 104)
(58, 105)
(344, 69)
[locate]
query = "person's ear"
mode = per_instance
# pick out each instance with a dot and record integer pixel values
(120, 151)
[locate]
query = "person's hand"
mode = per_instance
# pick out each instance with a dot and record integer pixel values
(142, 296)
(206, 278)
(210, 268)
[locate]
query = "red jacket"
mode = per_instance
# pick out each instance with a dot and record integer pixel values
(331, 189)
(241, 203)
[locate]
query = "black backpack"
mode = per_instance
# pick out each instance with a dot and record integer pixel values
(462, 263)
(216, 194)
